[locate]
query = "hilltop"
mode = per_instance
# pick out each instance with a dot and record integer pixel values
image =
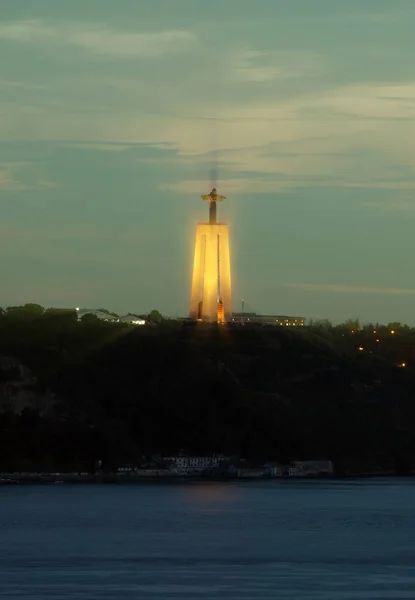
(73, 392)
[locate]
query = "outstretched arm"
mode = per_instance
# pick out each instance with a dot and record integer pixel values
(216, 198)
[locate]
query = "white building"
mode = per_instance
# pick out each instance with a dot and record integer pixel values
(194, 464)
(111, 318)
(102, 316)
(132, 320)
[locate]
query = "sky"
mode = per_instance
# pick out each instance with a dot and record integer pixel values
(116, 116)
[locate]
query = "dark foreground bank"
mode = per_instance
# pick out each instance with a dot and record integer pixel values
(72, 394)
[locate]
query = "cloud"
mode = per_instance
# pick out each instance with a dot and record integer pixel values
(395, 206)
(387, 17)
(14, 179)
(283, 137)
(374, 101)
(348, 289)
(257, 185)
(253, 66)
(195, 187)
(8, 180)
(105, 147)
(96, 38)
(9, 84)
(298, 141)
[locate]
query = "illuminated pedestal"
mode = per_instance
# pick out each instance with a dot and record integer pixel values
(211, 298)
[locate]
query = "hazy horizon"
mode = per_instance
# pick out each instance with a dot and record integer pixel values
(113, 115)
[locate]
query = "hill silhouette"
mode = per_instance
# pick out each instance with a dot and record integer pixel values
(72, 393)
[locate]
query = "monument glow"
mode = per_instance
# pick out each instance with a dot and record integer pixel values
(211, 298)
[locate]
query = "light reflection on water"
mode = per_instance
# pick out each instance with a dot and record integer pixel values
(302, 540)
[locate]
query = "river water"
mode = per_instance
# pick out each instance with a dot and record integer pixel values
(276, 539)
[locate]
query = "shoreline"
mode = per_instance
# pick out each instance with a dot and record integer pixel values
(62, 478)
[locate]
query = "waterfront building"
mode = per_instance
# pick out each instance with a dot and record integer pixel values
(308, 468)
(184, 465)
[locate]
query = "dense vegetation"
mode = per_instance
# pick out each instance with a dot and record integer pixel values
(73, 392)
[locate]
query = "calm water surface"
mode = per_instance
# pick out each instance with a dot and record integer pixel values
(280, 540)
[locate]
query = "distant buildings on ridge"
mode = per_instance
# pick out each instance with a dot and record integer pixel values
(276, 320)
(104, 315)
(238, 318)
